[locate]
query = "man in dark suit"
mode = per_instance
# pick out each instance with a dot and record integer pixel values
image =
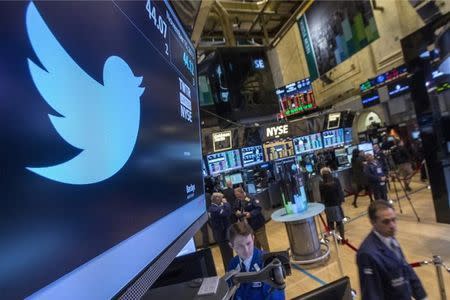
(228, 193)
(383, 271)
(219, 218)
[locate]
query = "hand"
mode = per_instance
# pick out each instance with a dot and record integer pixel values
(224, 200)
(247, 215)
(383, 178)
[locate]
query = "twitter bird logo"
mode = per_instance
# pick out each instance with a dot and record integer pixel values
(100, 119)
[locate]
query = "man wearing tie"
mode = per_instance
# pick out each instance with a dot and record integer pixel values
(384, 273)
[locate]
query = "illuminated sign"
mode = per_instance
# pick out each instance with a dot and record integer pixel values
(277, 131)
(222, 141)
(296, 98)
(383, 78)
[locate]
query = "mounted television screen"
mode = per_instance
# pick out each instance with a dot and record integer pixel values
(334, 120)
(95, 187)
(252, 155)
(296, 98)
(398, 88)
(370, 99)
(333, 138)
(307, 143)
(224, 161)
(222, 141)
(348, 135)
(279, 149)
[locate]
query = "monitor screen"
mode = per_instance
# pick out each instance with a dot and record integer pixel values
(296, 98)
(234, 178)
(370, 98)
(308, 143)
(415, 134)
(224, 161)
(100, 158)
(333, 138)
(367, 148)
(278, 150)
(252, 155)
(348, 135)
(334, 120)
(341, 156)
(337, 290)
(398, 88)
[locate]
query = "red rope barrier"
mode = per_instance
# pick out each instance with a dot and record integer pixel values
(350, 245)
(416, 264)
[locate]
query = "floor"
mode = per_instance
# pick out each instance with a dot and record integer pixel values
(419, 241)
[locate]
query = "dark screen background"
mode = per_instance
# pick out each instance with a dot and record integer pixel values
(47, 228)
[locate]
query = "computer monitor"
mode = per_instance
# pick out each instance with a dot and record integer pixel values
(101, 153)
(198, 264)
(234, 178)
(333, 138)
(224, 161)
(252, 155)
(337, 290)
(367, 148)
(308, 143)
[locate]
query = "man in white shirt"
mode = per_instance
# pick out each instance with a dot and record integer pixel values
(384, 273)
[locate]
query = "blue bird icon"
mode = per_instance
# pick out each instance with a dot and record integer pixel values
(102, 120)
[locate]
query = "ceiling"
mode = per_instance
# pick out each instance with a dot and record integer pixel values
(233, 23)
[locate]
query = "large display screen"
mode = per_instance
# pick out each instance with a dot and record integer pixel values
(333, 138)
(308, 143)
(224, 161)
(252, 155)
(348, 135)
(278, 150)
(100, 164)
(296, 98)
(370, 98)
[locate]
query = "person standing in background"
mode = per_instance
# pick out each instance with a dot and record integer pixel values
(228, 193)
(402, 159)
(219, 218)
(332, 196)
(383, 270)
(249, 211)
(359, 179)
(376, 178)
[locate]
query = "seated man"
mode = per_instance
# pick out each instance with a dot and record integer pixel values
(249, 259)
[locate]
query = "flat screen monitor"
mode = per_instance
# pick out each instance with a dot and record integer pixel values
(224, 161)
(398, 88)
(336, 290)
(279, 149)
(252, 155)
(101, 154)
(333, 138)
(234, 178)
(370, 98)
(367, 148)
(341, 156)
(308, 143)
(348, 135)
(296, 98)
(334, 119)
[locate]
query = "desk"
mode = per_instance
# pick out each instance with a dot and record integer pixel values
(302, 233)
(184, 290)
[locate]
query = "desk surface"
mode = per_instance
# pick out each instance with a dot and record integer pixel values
(184, 291)
(313, 210)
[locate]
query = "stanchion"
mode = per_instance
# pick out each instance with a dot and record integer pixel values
(428, 175)
(437, 260)
(336, 246)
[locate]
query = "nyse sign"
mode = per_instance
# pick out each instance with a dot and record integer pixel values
(277, 131)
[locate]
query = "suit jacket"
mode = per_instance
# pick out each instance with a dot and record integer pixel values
(383, 276)
(254, 290)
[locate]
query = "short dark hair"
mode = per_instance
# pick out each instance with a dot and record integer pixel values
(239, 228)
(376, 206)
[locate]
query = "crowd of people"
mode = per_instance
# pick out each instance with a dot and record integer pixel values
(238, 224)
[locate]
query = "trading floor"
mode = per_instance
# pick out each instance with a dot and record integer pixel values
(419, 241)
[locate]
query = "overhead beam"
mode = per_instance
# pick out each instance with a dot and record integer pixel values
(227, 27)
(200, 21)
